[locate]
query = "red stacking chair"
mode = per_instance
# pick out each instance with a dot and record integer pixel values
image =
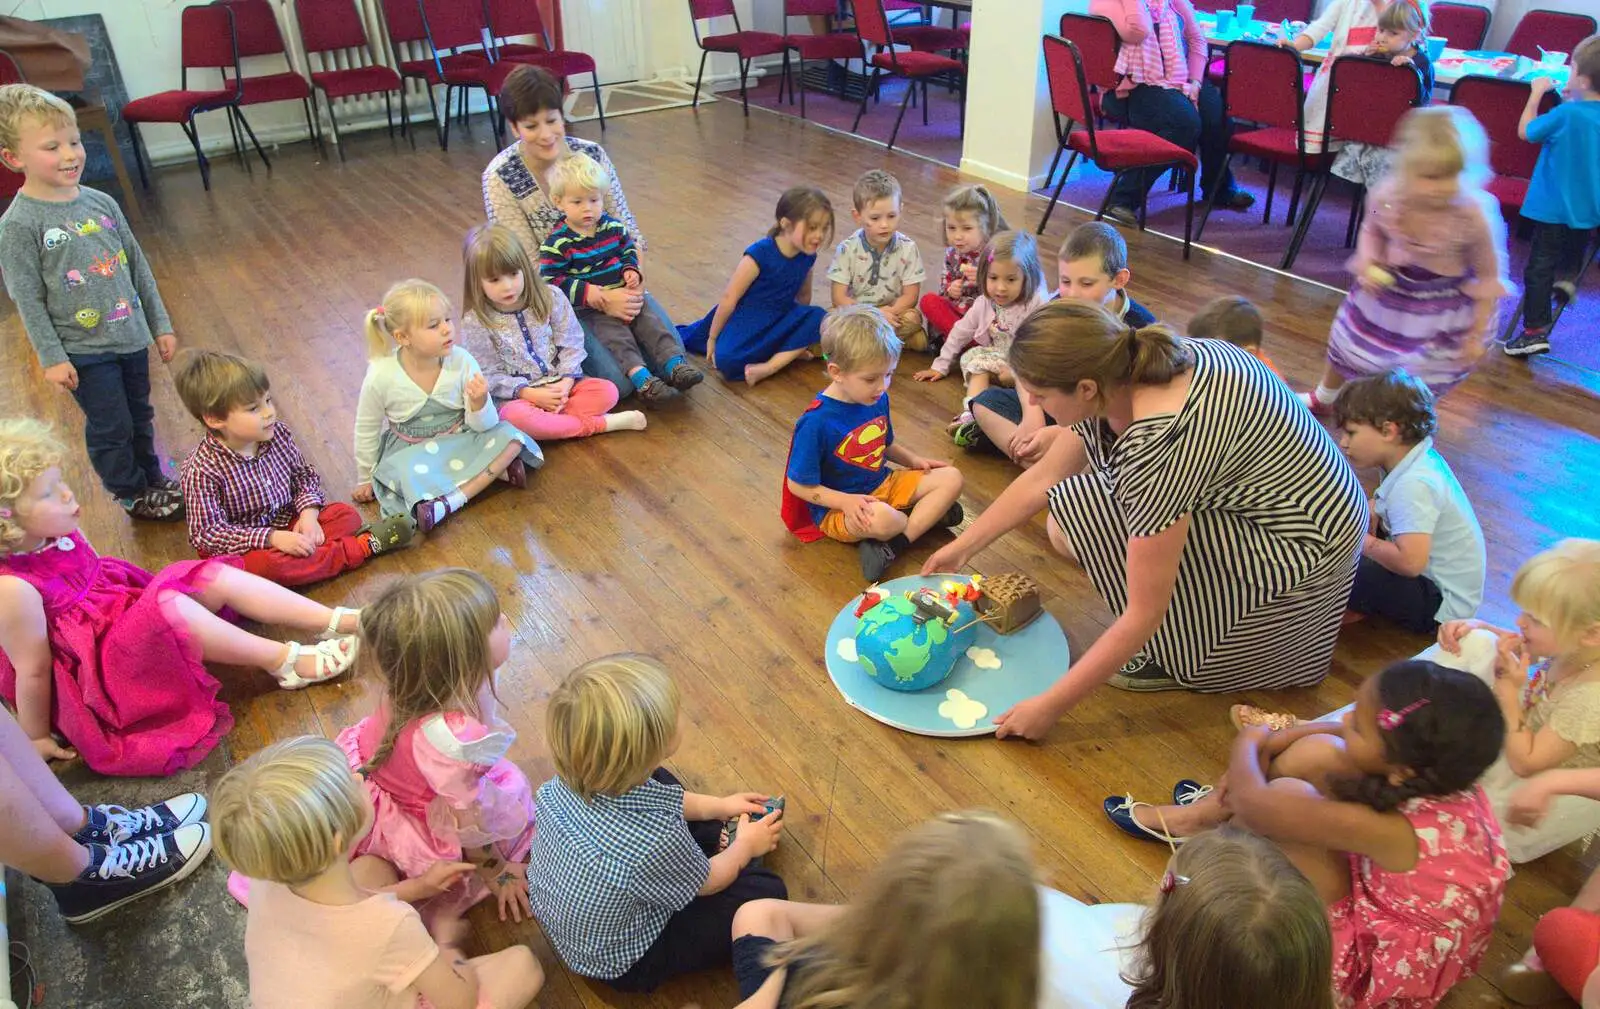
(1497, 104)
(1556, 31)
(256, 26)
(10, 182)
(1115, 151)
(521, 18)
(1098, 43)
(1367, 97)
(742, 44)
(207, 33)
(452, 32)
(830, 45)
(1266, 88)
(1462, 26)
(872, 24)
(1274, 11)
(923, 37)
(328, 27)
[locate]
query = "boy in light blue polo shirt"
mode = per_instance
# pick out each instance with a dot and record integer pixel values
(1563, 198)
(1425, 562)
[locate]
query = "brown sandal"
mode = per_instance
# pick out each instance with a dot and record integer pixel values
(1247, 715)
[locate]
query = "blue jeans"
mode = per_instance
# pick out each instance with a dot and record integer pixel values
(599, 363)
(1175, 119)
(119, 422)
(1556, 254)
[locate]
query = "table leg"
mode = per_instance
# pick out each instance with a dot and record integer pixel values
(98, 121)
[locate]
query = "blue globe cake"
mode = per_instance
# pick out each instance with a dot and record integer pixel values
(912, 641)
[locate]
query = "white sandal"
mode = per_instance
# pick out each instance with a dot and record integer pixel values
(334, 657)
(332, 630)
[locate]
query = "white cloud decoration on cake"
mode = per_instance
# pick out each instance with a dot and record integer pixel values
(983, 658)
(960, 709)
(847, 649)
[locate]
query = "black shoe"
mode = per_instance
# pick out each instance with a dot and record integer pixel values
(1528, 343)
(954, 517)
(876, 556)
(155, 505)
(1239, 199)
(166, 483)
(683, 377)
(1144, 674)
(113, 825)
(124, 873)
(1128, 217)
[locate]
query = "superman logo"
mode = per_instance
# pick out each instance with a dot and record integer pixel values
(866, 445)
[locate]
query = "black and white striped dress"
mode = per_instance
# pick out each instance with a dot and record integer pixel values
(1277, 521)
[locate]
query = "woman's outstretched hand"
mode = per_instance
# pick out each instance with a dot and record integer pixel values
(951, 557)
(1030, 719)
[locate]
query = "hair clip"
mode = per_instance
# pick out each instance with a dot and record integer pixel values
(1171, 881)
(5, 513)
(378, 311)
(1389, 720)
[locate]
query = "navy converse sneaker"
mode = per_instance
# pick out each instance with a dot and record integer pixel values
(113, 825)
(121, 874)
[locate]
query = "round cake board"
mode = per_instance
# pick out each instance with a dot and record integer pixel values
(977, 690)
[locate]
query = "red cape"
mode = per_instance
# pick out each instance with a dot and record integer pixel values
(796, 513)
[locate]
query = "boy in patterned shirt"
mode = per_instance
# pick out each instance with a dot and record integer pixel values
(878, 265)
(86, 296)
(251, 493)
(593, 252)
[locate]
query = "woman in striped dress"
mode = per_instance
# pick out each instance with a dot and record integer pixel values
(1211, 511)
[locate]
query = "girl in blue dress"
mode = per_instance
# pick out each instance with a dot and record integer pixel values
(765, 319)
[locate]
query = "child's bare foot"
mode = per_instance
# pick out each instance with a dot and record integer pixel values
(1179, 821)
(754, 373)
(625, 420)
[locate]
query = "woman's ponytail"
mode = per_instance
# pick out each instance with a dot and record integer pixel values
(1157, 355)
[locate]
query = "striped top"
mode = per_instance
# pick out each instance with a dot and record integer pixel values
(1276, 523)
(574, 262)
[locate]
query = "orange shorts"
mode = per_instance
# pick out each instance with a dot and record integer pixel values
(897, 490)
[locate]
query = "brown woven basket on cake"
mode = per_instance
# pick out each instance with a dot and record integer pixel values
(1009, 601)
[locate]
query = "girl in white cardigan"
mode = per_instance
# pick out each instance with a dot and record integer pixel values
(1353, 25)
(444, 441)
(1013, 285)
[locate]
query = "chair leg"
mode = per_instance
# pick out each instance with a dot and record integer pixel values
(924, 102)
(444, 138)
(312, 133)
(1319, 185)
(405, 120)
(1272, 187)
(333, 121)
(695, 104)
(866, 93)
(1051, 206)
(784, 83)
(192, 131)
(388, 114)
(1211, 201)
(138, 156)
(1294, 198)
(802, 77)
(1100, 214)
(1355, 215)
(238, 141)
(440, 127)
(911, 87)
(599, 101)
(244, 124)
(1188, 214)
(961, 108)
(744, 91)
(497, 122)
(1513, 319)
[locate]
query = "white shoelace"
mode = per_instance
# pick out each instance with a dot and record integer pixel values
(127, 859)
(123, 823)
(1192, 796)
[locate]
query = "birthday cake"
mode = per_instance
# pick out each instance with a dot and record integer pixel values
(912, 641)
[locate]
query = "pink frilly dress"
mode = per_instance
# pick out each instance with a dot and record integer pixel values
(1402, 940)
(446, 786)
(128, 688)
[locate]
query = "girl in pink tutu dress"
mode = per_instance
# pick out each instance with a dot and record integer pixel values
(112, 657)
(434, 753)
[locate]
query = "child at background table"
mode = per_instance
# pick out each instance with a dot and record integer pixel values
(971, 216)
(1354, 27)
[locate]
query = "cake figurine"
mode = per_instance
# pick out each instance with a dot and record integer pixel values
(1007, 602)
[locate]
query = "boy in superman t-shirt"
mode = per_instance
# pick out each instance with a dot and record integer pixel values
(837, 484)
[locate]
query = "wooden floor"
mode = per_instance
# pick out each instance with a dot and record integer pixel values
(670, 542)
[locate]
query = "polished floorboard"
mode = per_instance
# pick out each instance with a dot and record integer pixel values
(669, 541)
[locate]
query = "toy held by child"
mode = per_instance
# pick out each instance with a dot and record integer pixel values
(971, 217)
(325, 929)
(879, 266)
(87, 298)
(1401, 37)
(1430, 262)
(524, 335)
(434, 753)
(1013, 285)
(252, 495)
(592, 253)
(113, 657)
(1426, 562)
(1236, 320)
(1563, 200)
(836, 483)
(626, 875)
(428, 437)
(765, 320)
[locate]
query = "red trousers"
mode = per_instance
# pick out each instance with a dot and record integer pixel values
(341, 550)
(941, 315)
(1568, 943)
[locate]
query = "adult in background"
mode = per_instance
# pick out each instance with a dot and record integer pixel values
(1212, 512)
(1163, 89)
(516, 193)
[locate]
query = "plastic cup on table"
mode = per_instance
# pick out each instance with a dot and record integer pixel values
(1246, 13)
(1436, 44)
(1224, 23)
(1551, 59)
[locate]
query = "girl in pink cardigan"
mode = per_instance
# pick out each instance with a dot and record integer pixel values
(1013, 286)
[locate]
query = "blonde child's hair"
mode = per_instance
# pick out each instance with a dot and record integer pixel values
(21, 102)
(855, 337)
(1561, 589)
(577, 173)
(214, 385)
(27, 448)
(289, 813)
(1016, 247)
(427, 637)
(410, 304)
(1236, 925)
(950, 920)
(1404, 16)
(872, 186)
(980, 203)
(494, 250)
(611, 722)
(1443, 141)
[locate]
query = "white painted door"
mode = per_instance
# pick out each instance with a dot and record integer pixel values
(608, 30)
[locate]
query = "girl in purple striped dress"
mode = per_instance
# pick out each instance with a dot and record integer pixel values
(1430, 264)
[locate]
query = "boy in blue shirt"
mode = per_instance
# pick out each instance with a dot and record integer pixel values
(1563, 198)
(836, 483)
